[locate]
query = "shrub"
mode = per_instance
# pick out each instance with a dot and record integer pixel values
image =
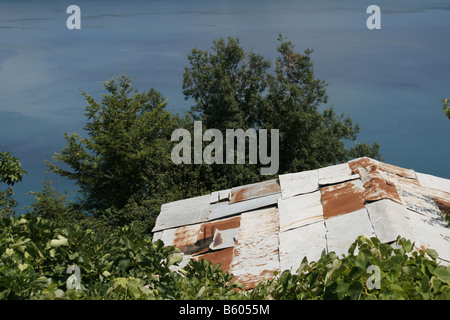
(41, 260)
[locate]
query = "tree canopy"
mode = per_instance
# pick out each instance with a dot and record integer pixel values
(123, 166)
(234, 88)
(11, 172)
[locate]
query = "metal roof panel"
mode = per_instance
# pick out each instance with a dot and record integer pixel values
(256, 251)
(402, 172)
(258, 223)
(308, 241)
(256, 229)
(293, 184)
(224, 257)
(226, 209)
(255, 190)
(389, 220)
(300, 210)
(377, 188)
(336, 174)
(344, 229)
(417, 200)
(433, 182)
(431, 232)
(342, 198)
(179, 237)
(183, 212)
(224, 239)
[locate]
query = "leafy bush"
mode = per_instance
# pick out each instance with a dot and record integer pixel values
(36, 256)
(404, 273)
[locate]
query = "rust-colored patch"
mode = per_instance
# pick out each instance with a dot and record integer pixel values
(224, 257)
(251, 281)
(342, 198)
(255, 261)
(364, 163)
(371, 165)
(199, 242)
(185, 236)
(377, 188)
(255, 190)
(208, 229)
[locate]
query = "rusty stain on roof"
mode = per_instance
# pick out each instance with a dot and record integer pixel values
(342, 198)
(256, 190)
(256, 251)
(224, 257)
(208, 229)
(185, 236)
(258, 229)
(377, 188)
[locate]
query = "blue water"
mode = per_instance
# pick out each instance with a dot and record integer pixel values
(391, 80)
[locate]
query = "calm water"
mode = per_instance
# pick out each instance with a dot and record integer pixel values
(391, 80)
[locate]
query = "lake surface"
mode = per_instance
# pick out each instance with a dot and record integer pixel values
(391, 80)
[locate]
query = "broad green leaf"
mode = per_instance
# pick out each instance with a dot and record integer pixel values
(443, 273)
(354, 290)
(23, 266)
(175, 259)
(356, 272)
(121, 282)
(61, 241)
(341, 289)
(432, 253)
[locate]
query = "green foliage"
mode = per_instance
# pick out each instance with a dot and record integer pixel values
(446, 108)
(10, 172)
(10, 169)
(235, 89)
(36, 254)
(53, 205)
(405, 273)
(126, 133)
(7, 202)
(123, 166)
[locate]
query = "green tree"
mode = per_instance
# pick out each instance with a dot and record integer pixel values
(446, 108)
(123, 166)
(233, 88)
(10, 169)
(10, 172)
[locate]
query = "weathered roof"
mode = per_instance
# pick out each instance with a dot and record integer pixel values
(260, 228)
